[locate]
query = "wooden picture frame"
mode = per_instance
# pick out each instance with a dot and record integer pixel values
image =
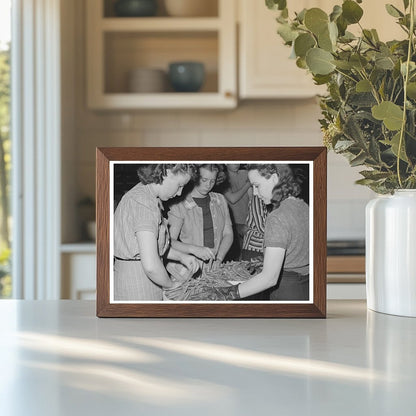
(314, 157)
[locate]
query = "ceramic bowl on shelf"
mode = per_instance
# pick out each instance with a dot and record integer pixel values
(135, 8)
(191, 8)
(147, 80)
(186, 76)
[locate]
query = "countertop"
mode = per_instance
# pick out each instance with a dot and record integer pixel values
(57, 358)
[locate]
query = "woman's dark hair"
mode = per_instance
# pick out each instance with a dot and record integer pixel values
(155, 173)
(287, 185)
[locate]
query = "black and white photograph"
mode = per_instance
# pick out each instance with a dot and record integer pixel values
(211, 232)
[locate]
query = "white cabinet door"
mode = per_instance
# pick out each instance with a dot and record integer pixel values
(264, 66)
(78, 276)
(265, 69)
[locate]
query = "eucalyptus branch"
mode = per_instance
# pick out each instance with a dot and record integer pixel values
(373, 88)
(346, 75)
(406, 79)
(392, 91)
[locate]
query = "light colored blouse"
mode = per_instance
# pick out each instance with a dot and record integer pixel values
(138, 210)
(287, 227)
(187, 216)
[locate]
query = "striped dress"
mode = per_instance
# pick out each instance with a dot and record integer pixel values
(256, 219)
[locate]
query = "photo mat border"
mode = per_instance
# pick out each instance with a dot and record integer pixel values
(314, 308)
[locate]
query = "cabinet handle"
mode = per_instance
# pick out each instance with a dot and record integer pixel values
(229, 94)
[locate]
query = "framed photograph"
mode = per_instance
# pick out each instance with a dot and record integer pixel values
(211, 232)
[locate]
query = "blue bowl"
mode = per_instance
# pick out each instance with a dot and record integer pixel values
(135, 8)
(186, 76)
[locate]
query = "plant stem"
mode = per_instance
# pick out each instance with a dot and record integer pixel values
(346, 75)
(406, 79)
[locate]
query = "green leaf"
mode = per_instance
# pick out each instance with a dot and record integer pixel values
(354, 132)
(325, 42)
(391, 114)
(368, 36)
(321, 79)
(344, 65)
(351, 11)
(281, 19)
(359, 160)
(396, 70)
(287, 33)
(358, 61)
(412, 67)
(333, 32)
(394, 143)
(406, 4)
(411, 90)
(363, 86)
(343, 145)
(374, 174)
(342, 25)
(276, 4)
(374, 150)
(375, 35)
(301, 15)
(384, 62)
(301, 63)
(316, 20)
(303, 43)
(347, 37)
(393, 11)
(336, 12)
(319, 61)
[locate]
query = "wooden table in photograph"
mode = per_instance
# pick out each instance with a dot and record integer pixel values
(57, 358)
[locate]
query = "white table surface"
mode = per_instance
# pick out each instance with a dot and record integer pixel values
(57, 358)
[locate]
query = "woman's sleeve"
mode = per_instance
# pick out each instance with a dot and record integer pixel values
(139, 216)
(276, 233)
(226, 210)
(175, 217)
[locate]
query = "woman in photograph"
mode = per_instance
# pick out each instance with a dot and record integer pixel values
(200, 224)
(286, 237)
(254, 236)
(141, 235)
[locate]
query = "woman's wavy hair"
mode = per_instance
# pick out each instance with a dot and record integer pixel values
(287, 186)
(155, 173)
(212, 167)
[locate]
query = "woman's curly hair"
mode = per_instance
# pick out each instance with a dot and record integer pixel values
(287, 186)
(212, 167)
(156, 172)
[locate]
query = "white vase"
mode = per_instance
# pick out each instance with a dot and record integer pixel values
(391, 253)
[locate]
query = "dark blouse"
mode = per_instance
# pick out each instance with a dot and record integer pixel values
(207, 220)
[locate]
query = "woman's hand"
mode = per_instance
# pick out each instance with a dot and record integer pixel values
(216, 264)
(203, 253)
(190, 262)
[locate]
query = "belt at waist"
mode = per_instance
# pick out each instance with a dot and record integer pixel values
(119, 258)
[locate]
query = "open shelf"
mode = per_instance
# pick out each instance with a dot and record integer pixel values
(127, 51)
(160, 24)
(118, 45)
(210, 9)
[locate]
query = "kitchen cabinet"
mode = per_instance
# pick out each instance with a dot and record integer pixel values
(118, 45)
(265, 70)
(346, 274)
(78, 264)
